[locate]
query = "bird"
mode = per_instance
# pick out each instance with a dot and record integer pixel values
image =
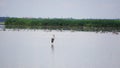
(53, 38)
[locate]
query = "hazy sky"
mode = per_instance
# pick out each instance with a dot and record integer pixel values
(61, 8)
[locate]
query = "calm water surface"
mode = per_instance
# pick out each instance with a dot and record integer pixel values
(32, 49)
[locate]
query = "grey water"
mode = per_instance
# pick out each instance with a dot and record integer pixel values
(71, 49)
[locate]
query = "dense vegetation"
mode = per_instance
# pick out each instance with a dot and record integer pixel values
(63, 22)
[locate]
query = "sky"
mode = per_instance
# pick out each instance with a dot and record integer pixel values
(102, 9)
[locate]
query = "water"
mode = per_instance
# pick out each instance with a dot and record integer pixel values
(79, 49)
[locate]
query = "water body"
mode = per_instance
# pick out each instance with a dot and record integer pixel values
(29, 48)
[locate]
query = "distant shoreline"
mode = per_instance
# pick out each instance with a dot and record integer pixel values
(63, 22)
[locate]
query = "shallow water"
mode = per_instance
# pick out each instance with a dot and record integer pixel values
(78, 49)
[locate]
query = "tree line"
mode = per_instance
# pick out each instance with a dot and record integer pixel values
(63, 22)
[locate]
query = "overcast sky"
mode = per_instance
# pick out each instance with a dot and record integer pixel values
(61, 8)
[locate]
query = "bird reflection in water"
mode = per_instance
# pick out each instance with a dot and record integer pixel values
(52, 47)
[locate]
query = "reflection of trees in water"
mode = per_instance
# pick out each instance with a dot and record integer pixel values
(2, 28)
(114, 30)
